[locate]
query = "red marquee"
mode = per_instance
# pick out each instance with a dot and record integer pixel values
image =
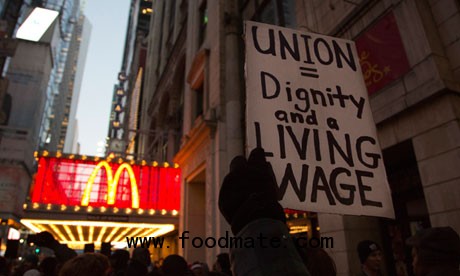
(100, 183)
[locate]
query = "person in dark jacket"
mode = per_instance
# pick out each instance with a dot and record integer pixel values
(318, 262)
(119, 262)
(435, 251)
(61, 251)
(248, 200)
(370, 255)
(139, 263)
(222, 264)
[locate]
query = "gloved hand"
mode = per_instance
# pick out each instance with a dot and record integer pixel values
(249, 191)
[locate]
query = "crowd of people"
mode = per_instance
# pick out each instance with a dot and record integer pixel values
(119, 263)
(435, 251)
(248, 201)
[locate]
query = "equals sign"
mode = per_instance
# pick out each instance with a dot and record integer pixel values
(309, 72)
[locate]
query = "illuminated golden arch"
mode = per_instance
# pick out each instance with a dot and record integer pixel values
(112, 184)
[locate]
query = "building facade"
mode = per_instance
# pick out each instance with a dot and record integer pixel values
(18, 139)
(69, 12)
(123, 127)
(193, 105)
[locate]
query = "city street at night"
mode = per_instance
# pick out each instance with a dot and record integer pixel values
(237, 137)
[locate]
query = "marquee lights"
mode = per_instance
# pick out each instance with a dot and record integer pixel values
(91, 233)
(103, 209)
(111, 234)
(85, 231)
(101, 234)
(57, 231)
(105, 186)
(80, 233)
(69, 233)
(298, 229)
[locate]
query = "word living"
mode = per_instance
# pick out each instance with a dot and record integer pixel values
(326, 147)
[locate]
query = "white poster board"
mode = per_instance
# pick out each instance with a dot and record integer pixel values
(307, 106)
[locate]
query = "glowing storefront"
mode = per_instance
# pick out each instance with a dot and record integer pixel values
(88, 200)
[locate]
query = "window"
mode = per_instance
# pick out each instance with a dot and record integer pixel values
(268, 13)
(172, 16)
(2, 7)
(198, 105)
(277, 12)
(203, 22)
(197, 79)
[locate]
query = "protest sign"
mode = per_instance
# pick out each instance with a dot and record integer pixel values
(307, 106)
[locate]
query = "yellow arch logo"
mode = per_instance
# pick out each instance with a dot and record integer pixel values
(112, 184)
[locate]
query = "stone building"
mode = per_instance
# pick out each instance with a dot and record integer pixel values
(193, 104)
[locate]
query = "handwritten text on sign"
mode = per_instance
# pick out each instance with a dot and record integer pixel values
(307, 107)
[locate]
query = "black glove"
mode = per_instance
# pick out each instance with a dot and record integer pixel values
(249, 191)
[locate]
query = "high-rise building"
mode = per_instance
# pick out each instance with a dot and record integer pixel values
(69, 14)
(28, 74)
(65, 104)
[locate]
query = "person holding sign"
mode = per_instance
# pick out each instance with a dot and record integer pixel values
(248, 200)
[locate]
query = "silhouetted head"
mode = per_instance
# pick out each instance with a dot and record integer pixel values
(87, 264)
(119, 259)
(142, 255)
(174, 265)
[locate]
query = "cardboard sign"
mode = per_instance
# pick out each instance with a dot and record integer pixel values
(307, 106)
